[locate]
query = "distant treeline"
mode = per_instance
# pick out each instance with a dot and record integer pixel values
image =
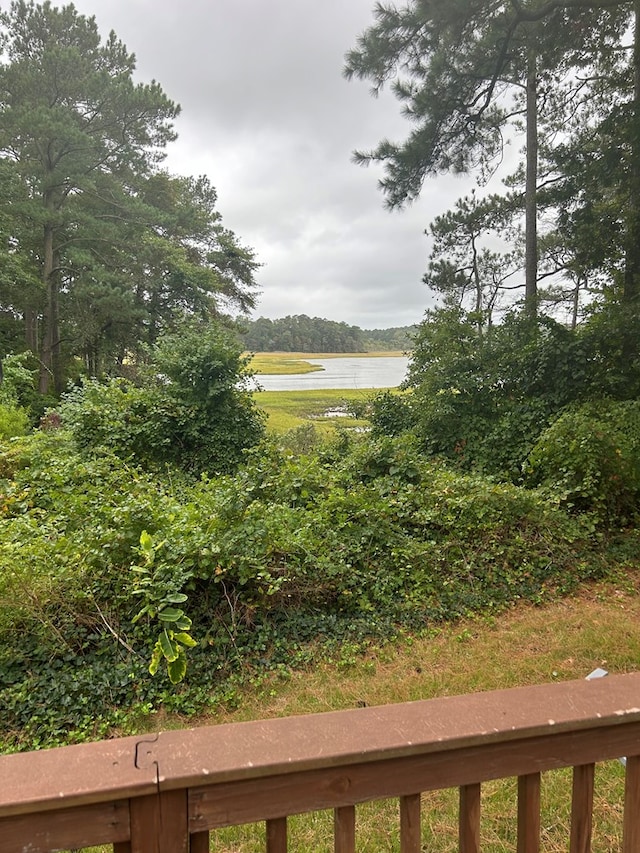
(299, 333)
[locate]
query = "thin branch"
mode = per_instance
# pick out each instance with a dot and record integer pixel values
(500, 64)
(533, 15)
(114, 633)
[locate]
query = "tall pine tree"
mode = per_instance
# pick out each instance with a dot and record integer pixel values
(77, 129)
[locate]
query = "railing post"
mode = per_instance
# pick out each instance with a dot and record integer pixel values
(277, 835)
(344, 829)
(582, 808)
(469, 819)
(631, 826)
(529, 813)
(198, 842)
(160, 823)
(410, 831)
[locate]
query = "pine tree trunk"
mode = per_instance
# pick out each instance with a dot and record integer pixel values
(531, 183)
(631, 289)
(50, 368)
(31, 330)
(478, 287)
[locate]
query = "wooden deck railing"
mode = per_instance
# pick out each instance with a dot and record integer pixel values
(163, 793)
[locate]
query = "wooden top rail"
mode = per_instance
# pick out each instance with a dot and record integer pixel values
(492, 734)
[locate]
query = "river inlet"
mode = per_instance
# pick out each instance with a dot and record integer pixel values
(355, 374)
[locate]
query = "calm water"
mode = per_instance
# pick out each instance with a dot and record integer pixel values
(348, 372)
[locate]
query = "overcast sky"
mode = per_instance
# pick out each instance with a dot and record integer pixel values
(268, 116)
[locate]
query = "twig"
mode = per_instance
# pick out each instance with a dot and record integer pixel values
(114, 633)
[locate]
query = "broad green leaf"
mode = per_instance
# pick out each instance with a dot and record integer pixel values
(185, 639)
(177, 668)
(177, 598)
(170, 614)
(146, 542)
(156, 657)
(169, 649)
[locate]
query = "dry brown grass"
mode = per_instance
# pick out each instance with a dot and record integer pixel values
(562, 640)
(526, 645)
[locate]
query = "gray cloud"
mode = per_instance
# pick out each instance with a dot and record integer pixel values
(268, 116)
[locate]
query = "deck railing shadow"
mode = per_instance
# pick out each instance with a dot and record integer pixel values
(163, 793)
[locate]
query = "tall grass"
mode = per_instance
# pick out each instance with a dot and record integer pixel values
(287, 410)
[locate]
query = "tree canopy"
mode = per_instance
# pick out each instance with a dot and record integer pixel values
(101, 250)
(299, 333)
(489, 373)
(469, 74)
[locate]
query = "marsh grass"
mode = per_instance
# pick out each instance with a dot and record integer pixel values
(290, 410)
(284, 363)
(287, 410)
(279, 364)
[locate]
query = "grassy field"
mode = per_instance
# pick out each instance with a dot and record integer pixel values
(527, 645)
(325, 408)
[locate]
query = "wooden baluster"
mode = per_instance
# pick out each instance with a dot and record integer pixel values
(582, 808)
(529, 813)
(344, 829)
(160, 823)
(469, 819)
(631, 826)
(277, 835)
(199, 842)
(410, 832)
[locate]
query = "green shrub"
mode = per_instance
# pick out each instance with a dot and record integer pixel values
(14, 421)
(17, 394)
(482, 401)
(391, 413)
(116, 415)
(589, 460)
(192, 411)
(17, 386)
(399, 457)
(101, 559)
(302, 439)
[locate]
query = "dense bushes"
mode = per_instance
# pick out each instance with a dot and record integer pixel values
(353, 541)
(15, 388)
(482, 402)
(13, 421)
(392, 413)
(589, 460)
(191, 410)
(117, 560)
